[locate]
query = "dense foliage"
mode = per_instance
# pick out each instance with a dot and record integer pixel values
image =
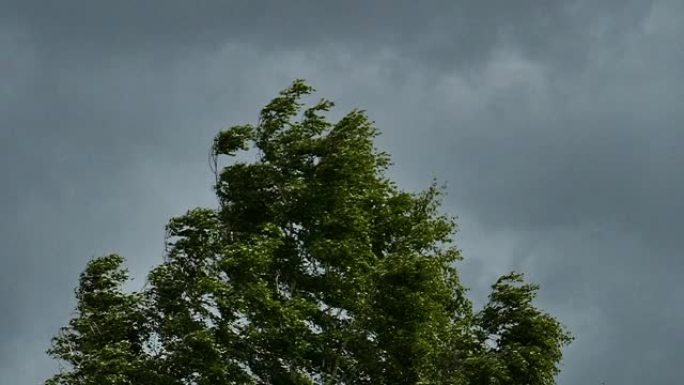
(314, 269)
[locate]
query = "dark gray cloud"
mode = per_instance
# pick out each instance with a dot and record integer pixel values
(556, 125)
(443, 34)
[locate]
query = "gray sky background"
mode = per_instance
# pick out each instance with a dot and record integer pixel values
(557, 125)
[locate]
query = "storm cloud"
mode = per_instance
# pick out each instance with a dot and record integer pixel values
(556, 126)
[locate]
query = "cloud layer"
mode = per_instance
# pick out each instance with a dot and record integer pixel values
(556, 126)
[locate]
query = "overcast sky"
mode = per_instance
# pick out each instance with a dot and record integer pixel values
(557, 126)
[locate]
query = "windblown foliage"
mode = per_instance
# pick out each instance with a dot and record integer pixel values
(314, 269)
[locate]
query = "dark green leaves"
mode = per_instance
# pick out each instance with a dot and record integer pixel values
(313, 269)
(522, 344)
(230, 141)
(106, 344)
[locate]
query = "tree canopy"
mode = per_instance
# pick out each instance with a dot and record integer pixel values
(314, 268)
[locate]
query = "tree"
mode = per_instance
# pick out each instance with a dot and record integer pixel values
(104, 344)
(314, 269)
